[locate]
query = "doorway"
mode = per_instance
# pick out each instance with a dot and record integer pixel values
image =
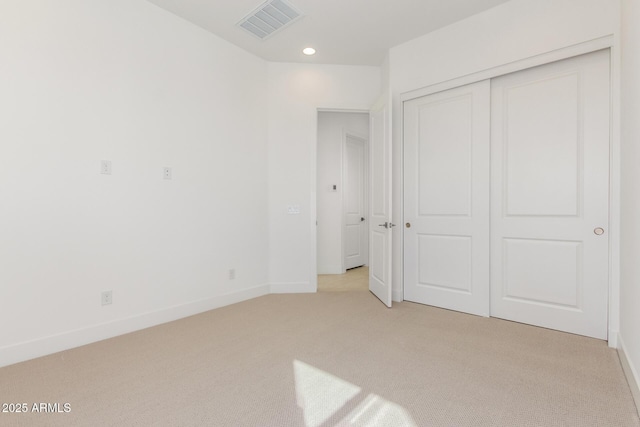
(342, 191)
(354, 280)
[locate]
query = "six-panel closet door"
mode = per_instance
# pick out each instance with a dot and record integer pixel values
(507, 196)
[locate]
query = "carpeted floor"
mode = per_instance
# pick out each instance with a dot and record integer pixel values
(356, 279)
(326, 359)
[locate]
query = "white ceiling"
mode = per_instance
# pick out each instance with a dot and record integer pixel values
(350, 32)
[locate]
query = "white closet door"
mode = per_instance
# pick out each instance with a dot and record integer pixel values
(446, 164)
(550, 190)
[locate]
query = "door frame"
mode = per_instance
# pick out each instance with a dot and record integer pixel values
(346, 133)
(606, 42)
(313, 279)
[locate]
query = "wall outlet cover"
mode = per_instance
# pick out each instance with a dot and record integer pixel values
(166, 172)
(105, 167)
(106, 297)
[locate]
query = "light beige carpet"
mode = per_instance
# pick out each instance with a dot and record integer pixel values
(326, 359)
(356, 279)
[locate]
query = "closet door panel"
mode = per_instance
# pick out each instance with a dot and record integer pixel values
(550, 199)
(446, 229)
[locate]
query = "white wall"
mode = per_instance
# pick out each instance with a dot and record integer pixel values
(86, 80)
(630, 192)
(330, 148)
(296, 91)
(513, 31)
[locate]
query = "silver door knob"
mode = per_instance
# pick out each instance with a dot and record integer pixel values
(408, 225)
(598, 231)
(385, 225)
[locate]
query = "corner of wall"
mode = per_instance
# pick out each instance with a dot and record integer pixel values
(293, 288)
(397, 295)
(630, 372)
(614, 336)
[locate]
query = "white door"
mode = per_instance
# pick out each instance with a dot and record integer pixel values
(550, 181)
(446, 202)
(355, 230)
(380, 204)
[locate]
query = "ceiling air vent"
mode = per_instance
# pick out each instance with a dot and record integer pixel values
(269, 18)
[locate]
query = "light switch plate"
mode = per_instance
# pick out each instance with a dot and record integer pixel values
(293, 209)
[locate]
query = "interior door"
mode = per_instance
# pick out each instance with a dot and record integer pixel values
(550, 191)
(447, 172)
(355, 230)
(380, 230)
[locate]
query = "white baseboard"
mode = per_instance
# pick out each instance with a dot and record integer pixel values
(630, 371)
(293, 288)
(397, 295)
(52, 344)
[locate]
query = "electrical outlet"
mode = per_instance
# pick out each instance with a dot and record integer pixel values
(105, 167)
(232, 273)
(106, 297)
(166, 173)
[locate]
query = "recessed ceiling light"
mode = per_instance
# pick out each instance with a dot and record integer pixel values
(309, 51)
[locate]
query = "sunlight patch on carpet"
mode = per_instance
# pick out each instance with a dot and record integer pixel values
(321, 395)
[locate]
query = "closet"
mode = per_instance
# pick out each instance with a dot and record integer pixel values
(506, 197)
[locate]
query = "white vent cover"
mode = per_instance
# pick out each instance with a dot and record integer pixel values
(269, 18)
